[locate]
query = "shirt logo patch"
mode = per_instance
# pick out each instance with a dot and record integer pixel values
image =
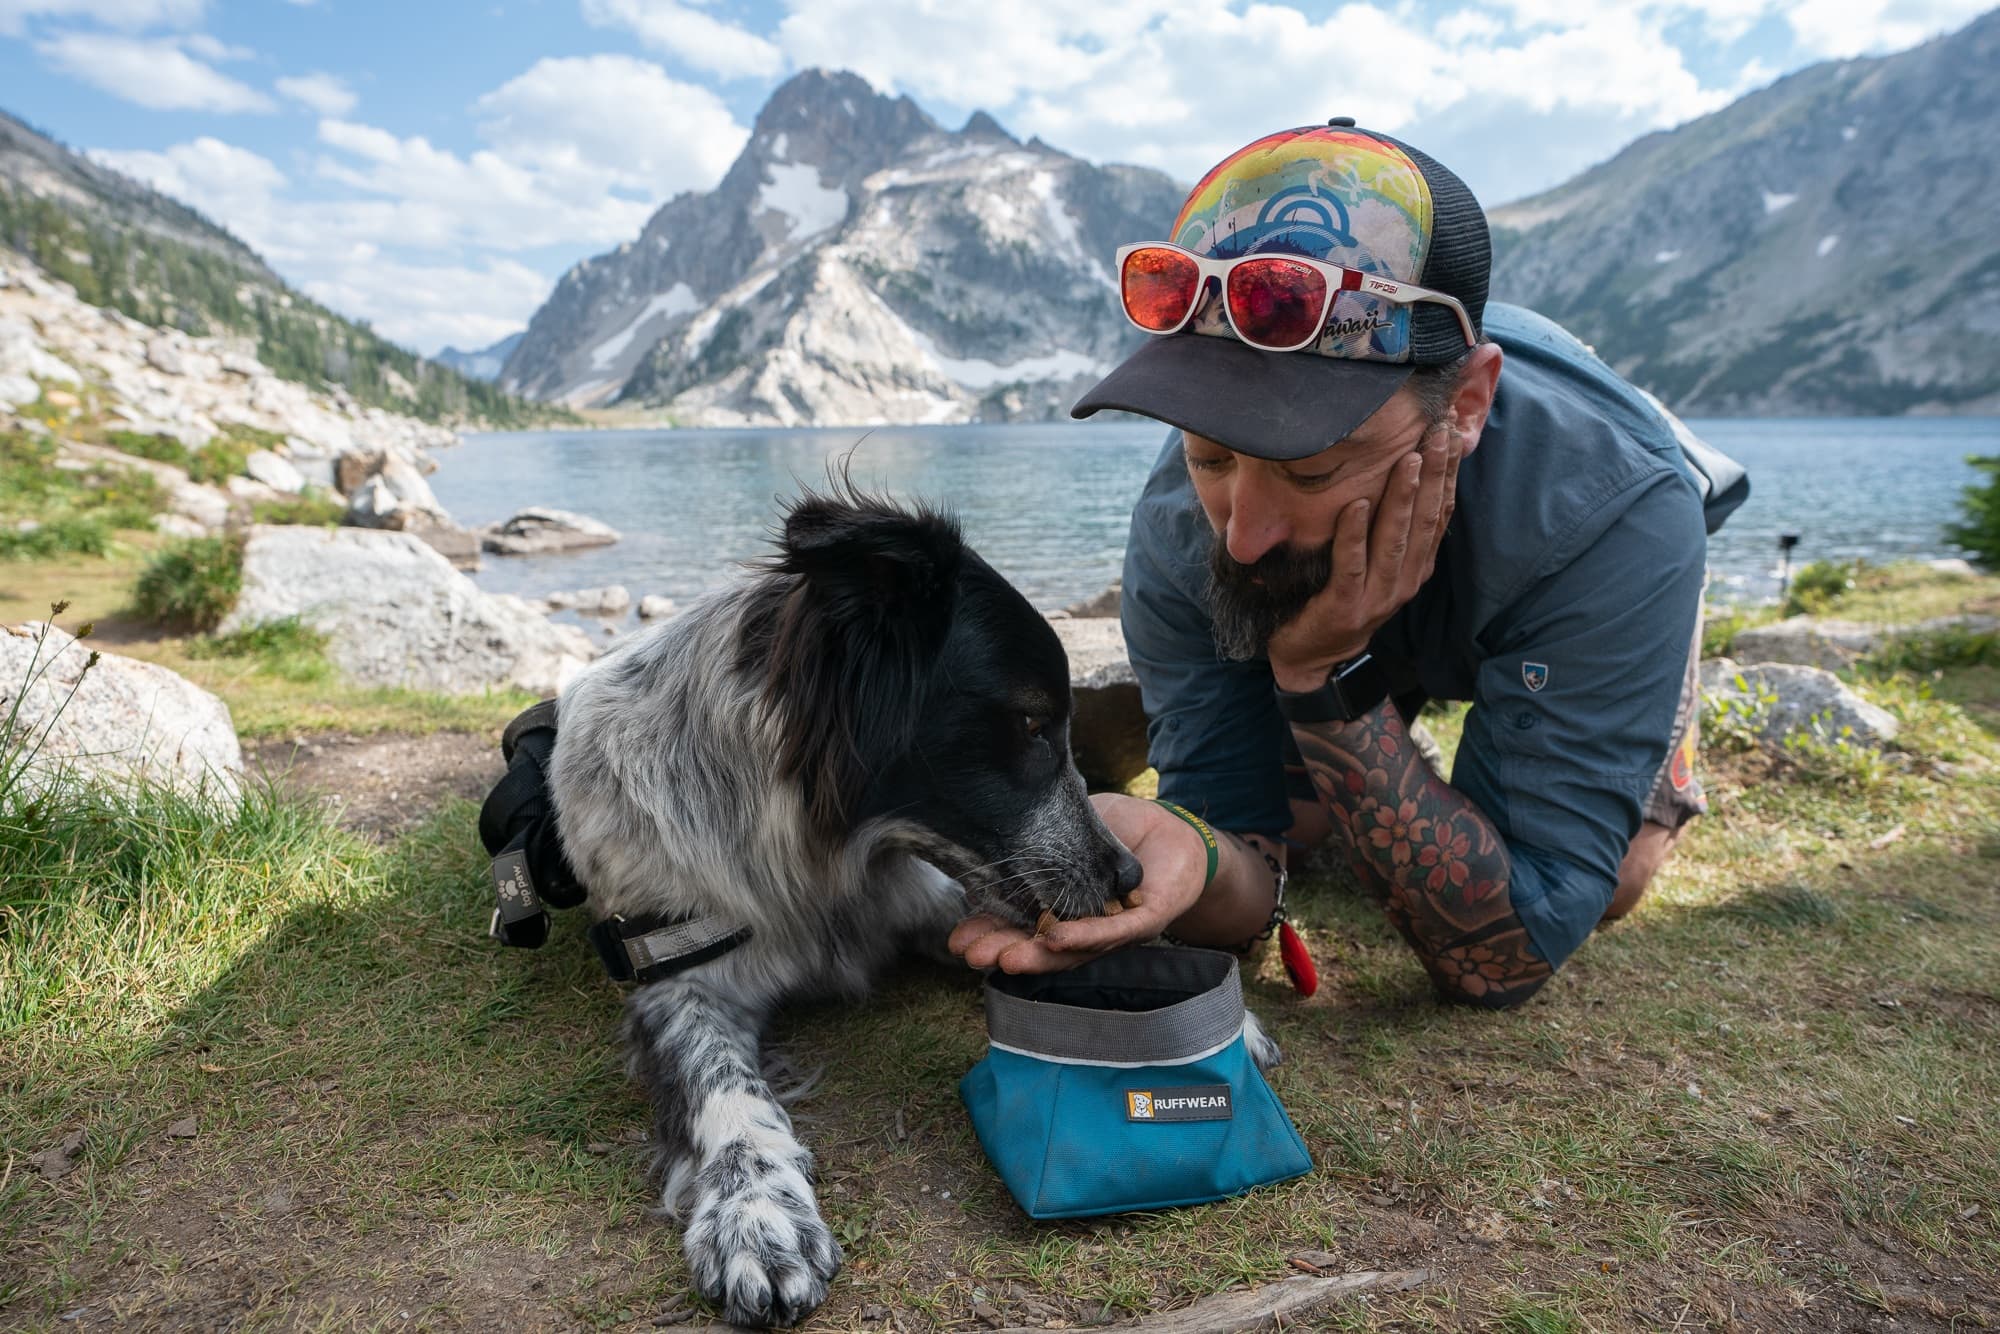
(1534, 675)
(1201, 1102)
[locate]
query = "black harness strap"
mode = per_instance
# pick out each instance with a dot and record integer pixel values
(531, 873)
(646, 949)
(518, 827)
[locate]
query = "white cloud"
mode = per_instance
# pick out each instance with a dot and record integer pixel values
(590, 123)
(128, 15)
(152, 72)
(703, 41)
(334, 250)
(1612, 61)
(232, 185)
(1861, 27)
(327, 94)
(427, 306)
(430, 197)
(211, 48)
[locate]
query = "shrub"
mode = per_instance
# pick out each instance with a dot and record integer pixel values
(191, 584)
(312, 507)
(288, 649)
(220, 459)
(1819, 585)
(1934, 650)
(1979, 534)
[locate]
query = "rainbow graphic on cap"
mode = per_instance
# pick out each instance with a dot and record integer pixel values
(1327, 193)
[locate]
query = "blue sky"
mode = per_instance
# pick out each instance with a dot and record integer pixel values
(433, 167)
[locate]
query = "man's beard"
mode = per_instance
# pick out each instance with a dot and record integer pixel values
(1248, 603)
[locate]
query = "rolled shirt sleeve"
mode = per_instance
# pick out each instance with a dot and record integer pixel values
(1574, 707)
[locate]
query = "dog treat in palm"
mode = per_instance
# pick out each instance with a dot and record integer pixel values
(1112, 907)
(1132, 899)
(1046, 922)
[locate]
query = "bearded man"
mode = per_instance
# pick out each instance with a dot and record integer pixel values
(1380, 490)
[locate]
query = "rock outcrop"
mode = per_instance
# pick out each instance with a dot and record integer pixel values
(166, 382)
(538, 531)
(397, 614)
(118, 720)
(1831, 644)
(610, 600)
(1781, 700)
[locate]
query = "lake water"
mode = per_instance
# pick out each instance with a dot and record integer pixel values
(1048, 504)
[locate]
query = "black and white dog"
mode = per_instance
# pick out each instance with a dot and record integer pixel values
(845, 753)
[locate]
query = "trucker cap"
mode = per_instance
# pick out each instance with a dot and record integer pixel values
(1329, 192)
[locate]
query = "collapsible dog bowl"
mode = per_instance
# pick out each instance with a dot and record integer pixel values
(1125, 1084)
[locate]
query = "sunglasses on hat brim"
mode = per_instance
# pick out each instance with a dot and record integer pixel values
(1274, 302)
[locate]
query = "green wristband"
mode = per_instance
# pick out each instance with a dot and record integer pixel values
(1207, 837)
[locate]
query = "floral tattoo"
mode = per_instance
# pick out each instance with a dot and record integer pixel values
(1436, 859)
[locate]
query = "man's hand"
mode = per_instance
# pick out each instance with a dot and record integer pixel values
(1175, 860)
(1378, 566)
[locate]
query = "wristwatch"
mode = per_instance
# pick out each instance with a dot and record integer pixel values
(1353, 688)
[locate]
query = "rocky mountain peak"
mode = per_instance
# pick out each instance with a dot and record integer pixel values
(983, 126)
(833, 120)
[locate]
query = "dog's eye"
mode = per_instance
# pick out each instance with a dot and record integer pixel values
(1034, 724)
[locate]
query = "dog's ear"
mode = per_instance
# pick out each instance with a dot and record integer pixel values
(868, 562)
(848, 655)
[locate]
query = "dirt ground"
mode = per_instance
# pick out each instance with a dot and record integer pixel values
(384, 783)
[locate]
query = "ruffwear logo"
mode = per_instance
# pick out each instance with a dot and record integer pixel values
(1202, 1102)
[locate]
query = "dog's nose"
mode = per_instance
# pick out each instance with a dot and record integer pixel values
(1130, 872)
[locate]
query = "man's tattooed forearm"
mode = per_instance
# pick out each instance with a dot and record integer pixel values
(1443, 866)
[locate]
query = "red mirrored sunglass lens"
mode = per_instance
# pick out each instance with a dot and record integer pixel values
(1276, 302)
(1159, 287)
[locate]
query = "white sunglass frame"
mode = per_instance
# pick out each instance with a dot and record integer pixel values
(1338, 279)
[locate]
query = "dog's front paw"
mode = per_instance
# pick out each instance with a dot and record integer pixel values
(755, 1240)
(1262, 1049)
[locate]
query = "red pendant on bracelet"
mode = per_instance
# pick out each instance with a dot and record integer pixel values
(1298, 963)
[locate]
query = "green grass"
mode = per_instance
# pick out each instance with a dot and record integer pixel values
(287, 649)
(1768, 1097)
(72, 513)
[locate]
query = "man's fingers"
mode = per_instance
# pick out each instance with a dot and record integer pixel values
(1350, 553)
(1096, 934)
(1390, 540)
(1439, 455)
(981, 941)
(1035, 955)
(1437, 464)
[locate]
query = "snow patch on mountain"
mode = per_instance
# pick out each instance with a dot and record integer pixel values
(977, 373)
(676, 300)
(794, 190)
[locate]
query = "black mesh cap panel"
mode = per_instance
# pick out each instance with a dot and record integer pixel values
(1460, 260)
